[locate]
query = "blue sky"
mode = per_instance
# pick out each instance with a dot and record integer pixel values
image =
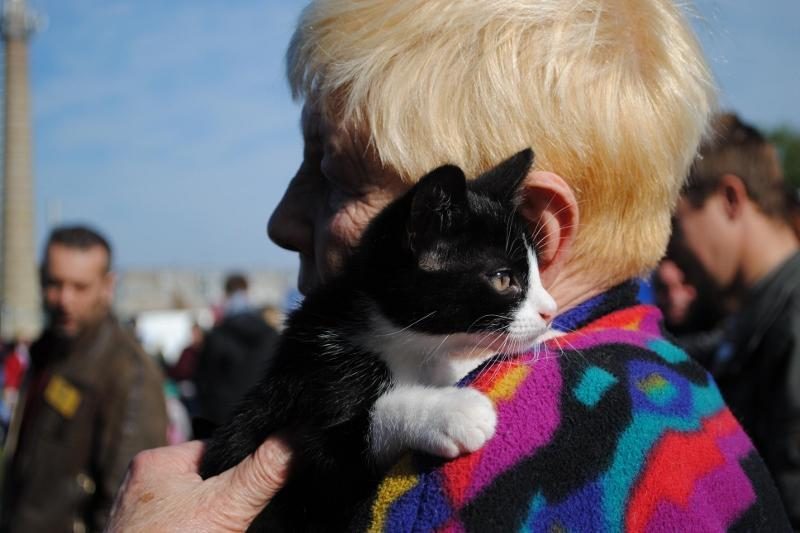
(168, 125)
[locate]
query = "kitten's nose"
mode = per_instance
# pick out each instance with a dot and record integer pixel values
(546, 315)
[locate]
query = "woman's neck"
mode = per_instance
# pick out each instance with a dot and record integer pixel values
(571, 287)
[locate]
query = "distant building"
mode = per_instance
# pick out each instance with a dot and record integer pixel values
(165, 289)
(162, 304)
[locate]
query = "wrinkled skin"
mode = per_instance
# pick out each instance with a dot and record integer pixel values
(162, 490)
(338, 189)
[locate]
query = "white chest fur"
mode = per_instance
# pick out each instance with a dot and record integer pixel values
(416, 358)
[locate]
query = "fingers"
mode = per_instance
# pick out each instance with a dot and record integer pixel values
(188, 455)
(177, 459)
(163, 491)
(254, 482)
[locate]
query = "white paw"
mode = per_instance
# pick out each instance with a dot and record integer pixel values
(459, 421)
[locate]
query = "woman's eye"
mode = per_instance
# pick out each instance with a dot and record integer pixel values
(339, 189)
(501, 280)
(335, 183)
(336, 197)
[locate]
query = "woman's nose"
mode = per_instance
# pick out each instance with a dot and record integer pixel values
(290, 225)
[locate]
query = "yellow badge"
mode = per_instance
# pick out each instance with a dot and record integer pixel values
(62, 396)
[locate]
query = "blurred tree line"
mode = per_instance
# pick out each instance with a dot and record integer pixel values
(787, 139)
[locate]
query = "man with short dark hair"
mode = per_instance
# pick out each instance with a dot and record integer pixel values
(235, 353)
(235, 283)
(91, 400)
(733, 216)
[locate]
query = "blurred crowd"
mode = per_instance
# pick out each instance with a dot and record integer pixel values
(82, 399)
(728, 287)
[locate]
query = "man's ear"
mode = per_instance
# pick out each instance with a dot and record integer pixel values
(734, 194)
(550, 206)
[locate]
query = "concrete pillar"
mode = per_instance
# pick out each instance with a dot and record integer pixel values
(19, 285)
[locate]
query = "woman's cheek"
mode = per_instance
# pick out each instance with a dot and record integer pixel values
(344, 227)
(350, 221)
(334, 237)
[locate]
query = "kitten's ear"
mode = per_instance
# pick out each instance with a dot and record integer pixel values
(504, 180)
(438, 205)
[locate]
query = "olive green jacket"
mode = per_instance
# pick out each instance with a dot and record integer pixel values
(87, 408)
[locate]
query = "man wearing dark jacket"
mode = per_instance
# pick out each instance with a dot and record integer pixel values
(733, 216)
(91, 400)
(235, 354)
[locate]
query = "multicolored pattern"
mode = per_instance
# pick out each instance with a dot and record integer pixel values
(607, 428)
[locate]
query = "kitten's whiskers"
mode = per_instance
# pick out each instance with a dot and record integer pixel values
(408, 326)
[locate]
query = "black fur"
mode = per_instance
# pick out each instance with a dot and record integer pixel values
(424, 260)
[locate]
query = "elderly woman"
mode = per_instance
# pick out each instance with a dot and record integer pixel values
(614, 427)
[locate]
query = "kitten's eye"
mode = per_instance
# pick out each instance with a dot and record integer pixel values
(501, 280)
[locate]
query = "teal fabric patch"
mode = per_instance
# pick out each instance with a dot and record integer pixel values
(668, 351)
(537, 504)
(593, 385)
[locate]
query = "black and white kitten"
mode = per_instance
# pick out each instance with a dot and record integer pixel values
(444, 277)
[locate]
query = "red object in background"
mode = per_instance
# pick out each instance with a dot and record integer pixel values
(185, 367)
(14, 367)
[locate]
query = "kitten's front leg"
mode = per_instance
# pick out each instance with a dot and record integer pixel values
(445, 422)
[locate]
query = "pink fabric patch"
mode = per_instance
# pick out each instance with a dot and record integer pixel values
(525, 422)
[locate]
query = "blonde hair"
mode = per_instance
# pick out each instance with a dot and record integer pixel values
(612, 95)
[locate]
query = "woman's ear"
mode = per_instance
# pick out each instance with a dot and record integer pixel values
(550, 206)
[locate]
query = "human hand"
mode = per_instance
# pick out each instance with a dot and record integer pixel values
(162, 490)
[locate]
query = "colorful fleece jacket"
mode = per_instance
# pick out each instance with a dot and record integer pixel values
(608, 428)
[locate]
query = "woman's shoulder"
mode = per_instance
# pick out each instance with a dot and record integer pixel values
(609, 427)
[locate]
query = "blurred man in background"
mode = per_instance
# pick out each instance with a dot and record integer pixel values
(734, 218)
(694, 308)
(91, 400)
(234, 355)
(183, 372)
(674, 295)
